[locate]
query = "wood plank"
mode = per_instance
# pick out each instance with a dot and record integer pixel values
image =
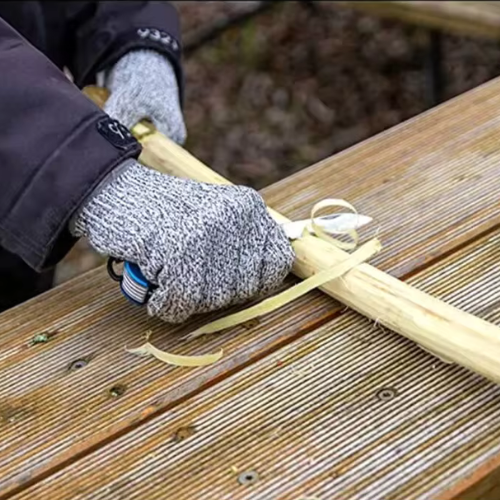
(347, 411)
(50, 411)
(417, 180)
(479, 19)
(482, 484)
(51, 414)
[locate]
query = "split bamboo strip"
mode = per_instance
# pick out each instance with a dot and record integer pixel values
(433, 324)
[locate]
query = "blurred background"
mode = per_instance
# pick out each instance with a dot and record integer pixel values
(273, 87)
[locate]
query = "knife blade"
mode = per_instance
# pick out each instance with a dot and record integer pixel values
(336, 223)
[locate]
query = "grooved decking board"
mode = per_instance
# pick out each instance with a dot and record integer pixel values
(312, 421)
(460, 18)
(432, 183)
(49, 414)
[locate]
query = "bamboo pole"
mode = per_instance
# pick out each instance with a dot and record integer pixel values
(433, 324)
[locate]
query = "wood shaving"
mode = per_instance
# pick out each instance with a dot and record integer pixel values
(149, 349)
(316, 229)
(358, 257)
(277, 431)
(248, 317)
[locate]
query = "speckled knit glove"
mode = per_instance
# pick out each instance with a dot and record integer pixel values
(206, 246)
(143, 85)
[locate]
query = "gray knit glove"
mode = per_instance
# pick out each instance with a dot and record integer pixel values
(143, 85)
(206, 246)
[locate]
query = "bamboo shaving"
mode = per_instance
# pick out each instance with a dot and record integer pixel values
(304, 371)
(149, 349)
(358, 257)
(316, 228)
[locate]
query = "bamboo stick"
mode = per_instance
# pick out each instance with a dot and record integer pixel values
(433, 324)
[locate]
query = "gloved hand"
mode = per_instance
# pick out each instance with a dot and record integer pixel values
(206, 246)
(143, 85)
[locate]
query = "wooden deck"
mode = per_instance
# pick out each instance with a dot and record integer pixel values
(310, 402)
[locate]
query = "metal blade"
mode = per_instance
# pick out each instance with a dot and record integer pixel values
(334, 223)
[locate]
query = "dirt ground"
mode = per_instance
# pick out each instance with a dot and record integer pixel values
(295, 85)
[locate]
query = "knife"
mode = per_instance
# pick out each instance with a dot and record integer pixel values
(336, 223)
(138, 289)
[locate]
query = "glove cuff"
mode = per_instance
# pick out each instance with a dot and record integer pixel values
(137, 63)
(143, 85)
(76, 224)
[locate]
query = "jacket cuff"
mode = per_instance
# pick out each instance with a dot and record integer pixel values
(61, 185)
(106, 55)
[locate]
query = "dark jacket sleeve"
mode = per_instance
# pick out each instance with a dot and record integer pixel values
(55, 148)
(99, 33)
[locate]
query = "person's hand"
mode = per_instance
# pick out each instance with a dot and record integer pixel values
(143, 85)
(205, 246)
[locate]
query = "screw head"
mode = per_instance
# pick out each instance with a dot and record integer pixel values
(117, 390)
(78, 364)
(386, 393)
(248, 477)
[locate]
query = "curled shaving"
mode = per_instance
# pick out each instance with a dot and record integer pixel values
(148, 349)
(358, 257)
(318, 231)
(362, 254)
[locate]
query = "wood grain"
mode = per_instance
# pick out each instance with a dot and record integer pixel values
(51, 413)
(433, 324)
(347, 411)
